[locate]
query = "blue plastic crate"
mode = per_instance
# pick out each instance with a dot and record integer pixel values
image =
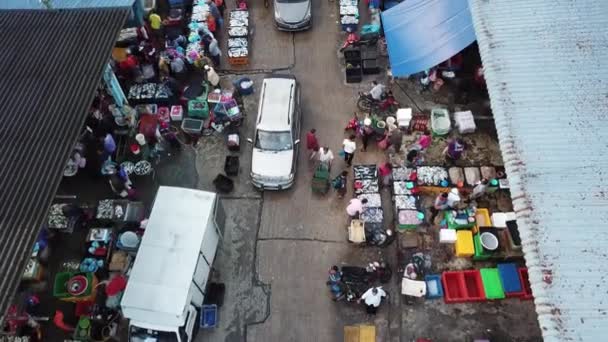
(436, 280)
(509, 277)
(208, 316)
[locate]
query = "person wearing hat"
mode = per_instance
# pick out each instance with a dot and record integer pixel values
(366, 132)
(212, 76)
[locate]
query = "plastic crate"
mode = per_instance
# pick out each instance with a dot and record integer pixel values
(192, 126)
(434, 289)
(525, 284)
(370, 67)
(509, 277)
(482, 219)
(208, 316)
(480, 252)
(238, 60)
(60, 290)
(491, 283)
(464, 244)
(473, 286)
(453, 287)
(198, 109)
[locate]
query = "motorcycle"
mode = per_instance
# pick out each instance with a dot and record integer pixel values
(387, 104)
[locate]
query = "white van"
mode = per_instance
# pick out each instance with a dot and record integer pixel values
(276, 138)
(168, 281)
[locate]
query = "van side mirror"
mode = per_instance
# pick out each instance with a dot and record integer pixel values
(249, 140)
(296, 142)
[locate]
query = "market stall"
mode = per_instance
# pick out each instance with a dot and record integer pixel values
(238, 33)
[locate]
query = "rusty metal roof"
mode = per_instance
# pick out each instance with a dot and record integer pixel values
(545, 64)
(51, 63)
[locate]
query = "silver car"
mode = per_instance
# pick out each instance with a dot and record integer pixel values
(293, 15)
(277, 130)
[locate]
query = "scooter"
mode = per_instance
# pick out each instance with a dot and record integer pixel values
(388, 104)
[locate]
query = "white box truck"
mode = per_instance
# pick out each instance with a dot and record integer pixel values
(168, 281)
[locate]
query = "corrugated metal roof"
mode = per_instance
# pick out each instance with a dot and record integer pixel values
(51, 62)
(545, 63)
(63, 4)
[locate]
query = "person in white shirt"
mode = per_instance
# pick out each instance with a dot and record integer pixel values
(349, 146)
(326, 156)
(355, 207)
(372, 299)
(480, 189)
(377, 91)
(212, 76)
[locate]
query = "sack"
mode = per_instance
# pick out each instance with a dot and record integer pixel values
(342, 154)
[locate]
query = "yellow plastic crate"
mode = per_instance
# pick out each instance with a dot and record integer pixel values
(360, 333)
(482, 219)
(464, 244)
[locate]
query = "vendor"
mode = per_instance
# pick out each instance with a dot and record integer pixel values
(212, 77)
(355, 207)
(441, 203)
(480, 189)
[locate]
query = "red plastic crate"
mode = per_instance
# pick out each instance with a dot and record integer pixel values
(453, 287)
(525, 284)
(473, 286)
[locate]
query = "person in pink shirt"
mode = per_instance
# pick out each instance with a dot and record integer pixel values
(385, 171)
(425, 140)
(355, 207)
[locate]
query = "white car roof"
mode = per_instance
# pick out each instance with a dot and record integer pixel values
(278, 94)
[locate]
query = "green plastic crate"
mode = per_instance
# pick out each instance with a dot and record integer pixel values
(480, 253)
(198, 109)
(491, 283)
(452, 225)
(59, 286)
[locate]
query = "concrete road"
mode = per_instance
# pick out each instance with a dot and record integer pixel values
(279, 245)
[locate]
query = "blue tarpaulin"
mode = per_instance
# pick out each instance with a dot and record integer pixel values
(423, 33)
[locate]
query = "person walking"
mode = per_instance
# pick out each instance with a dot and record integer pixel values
(339, 184)
(355, 207)
(396, 139)
(215, 52)
(366, 133)
(312, 144)
(454, 150)
(326, 156)
(372, 299)
(385, 173)
(349, 146)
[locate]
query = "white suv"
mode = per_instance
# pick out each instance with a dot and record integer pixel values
(277, 130)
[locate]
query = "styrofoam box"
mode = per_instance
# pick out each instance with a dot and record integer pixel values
(447, 236)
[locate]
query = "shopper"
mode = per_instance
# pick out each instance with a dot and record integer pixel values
(215, 12)
(441, 203)
(349, 147)
(355, 207)
(178, 67)
(326, 156)
(366, 133)
(385, 172)
(312, 144)
(212, 77)
(339, 184)
(214, 52)
(156, 24)
(396, 139)
(372, 299)
(454, 150)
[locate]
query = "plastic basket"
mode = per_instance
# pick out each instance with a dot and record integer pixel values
(491, 283)
(440, 121)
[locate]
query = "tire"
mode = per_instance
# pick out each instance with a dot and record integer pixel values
(364, 104)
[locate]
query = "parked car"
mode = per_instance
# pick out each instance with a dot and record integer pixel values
(293, 15)
(277, 134)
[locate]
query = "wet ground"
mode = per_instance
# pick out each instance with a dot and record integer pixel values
(277, 247)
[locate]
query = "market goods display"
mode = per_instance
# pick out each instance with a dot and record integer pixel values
(105, 210)
(366, 186)
(402, 188)
(365, 171)
(373, 215)
(408, 218)
(142, 168)
(456, 175)
(405, 202)
(238, 43)
(128, 166)
(373, 200)
(401, 173)
(431, 175)
(148, 92)
(56, 218)
(349, 14)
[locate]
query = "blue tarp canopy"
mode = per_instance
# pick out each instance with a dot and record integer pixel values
(423, 33)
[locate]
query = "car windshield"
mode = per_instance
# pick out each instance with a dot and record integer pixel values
(273, 141)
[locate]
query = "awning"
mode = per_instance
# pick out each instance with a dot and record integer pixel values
(51, 63)
(423, 33)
